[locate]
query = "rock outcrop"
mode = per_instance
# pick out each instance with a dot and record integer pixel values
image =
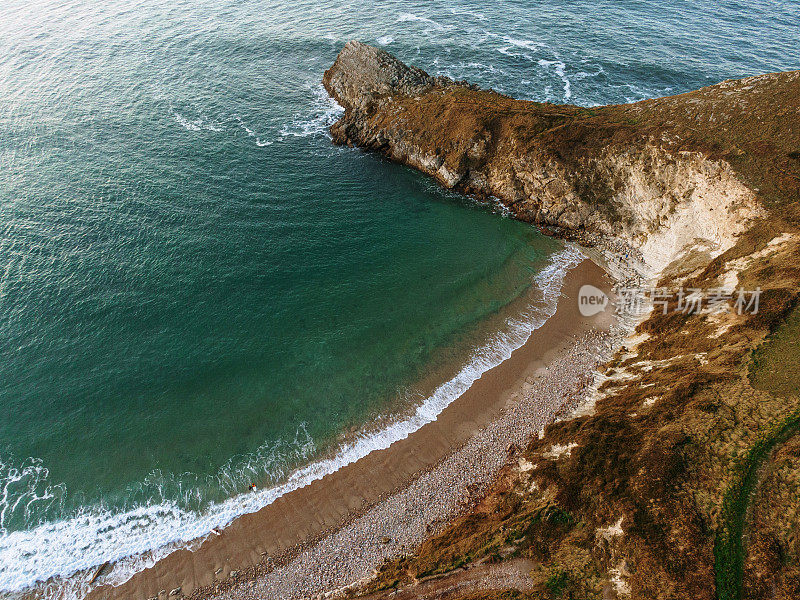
(637, 173)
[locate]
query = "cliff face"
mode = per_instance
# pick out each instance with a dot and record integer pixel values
(638, 173)
(697, 414)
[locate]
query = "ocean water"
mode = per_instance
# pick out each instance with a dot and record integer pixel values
(198, 292)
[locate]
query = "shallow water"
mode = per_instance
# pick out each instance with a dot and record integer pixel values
(199, 292)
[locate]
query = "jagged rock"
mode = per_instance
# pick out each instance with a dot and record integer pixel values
(362, 74)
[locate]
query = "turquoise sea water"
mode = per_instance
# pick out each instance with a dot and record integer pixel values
(199, 292)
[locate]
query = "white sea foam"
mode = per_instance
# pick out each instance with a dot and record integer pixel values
(468, 70)
(411, 18)
(528, 44)
(259, 142)
(26, 489)
(137, 538)
(515, 47)
(198, 124)
(559, 69)
(385, 40)
(529, 49)
(325, 112)
(586, 74)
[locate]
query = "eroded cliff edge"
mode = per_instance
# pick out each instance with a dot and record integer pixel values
(691, 440)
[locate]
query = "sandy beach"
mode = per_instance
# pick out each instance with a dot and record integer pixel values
(335, 531)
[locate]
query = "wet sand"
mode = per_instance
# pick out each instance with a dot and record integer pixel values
(349, 521)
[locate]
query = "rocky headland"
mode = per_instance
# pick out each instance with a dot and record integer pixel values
(681, 473)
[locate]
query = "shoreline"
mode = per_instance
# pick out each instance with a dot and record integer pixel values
(253, 544)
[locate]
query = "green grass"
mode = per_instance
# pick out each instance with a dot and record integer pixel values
(776, 364)
(558, 581)
(729, 548)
